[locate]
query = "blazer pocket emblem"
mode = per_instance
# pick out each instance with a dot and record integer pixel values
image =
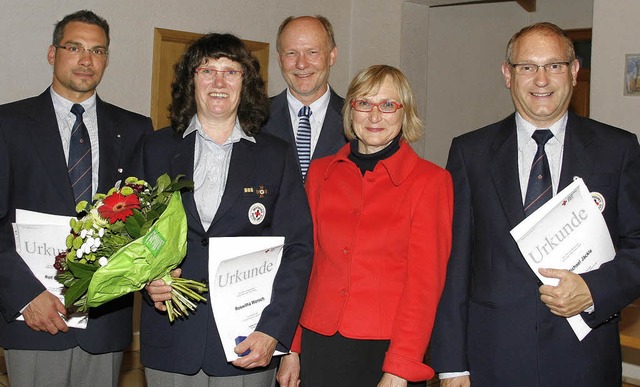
(257, 212)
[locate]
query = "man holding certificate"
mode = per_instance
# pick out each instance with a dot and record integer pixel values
(497, 325)
(58, 149)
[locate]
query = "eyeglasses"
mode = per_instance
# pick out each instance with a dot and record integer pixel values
(531, 68)
(208, 73)
(79, 50)
(362, 105)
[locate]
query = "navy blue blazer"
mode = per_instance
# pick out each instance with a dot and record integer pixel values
(33, 176)
(331, 135)
(186, 346)
(490, 319)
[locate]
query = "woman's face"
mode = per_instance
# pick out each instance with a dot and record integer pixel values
(217, 97)
(375, 129)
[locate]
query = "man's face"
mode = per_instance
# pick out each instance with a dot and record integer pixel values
(541, 98)
(305, 58)
(76, 75)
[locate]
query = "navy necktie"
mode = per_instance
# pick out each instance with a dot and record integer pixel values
(80, 157)
(539, 189)
(303, 140)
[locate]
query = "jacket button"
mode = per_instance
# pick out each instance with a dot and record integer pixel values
(345, 251)
(343, 292)
(205, 241)
(356, 212)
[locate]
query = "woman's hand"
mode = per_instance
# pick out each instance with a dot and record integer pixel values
(390, 380)
(289, 370)
(260, 346)
(159, 291)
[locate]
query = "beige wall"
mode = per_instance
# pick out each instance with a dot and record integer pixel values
(450, 54)
(466, 47)
(26, 27)
(616, 32)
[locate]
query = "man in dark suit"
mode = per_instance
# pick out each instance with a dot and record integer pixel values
(496, 325)
(35, 136)
(306, 51)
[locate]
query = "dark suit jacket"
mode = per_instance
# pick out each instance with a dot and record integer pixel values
(186, 346)
(331, 135)
(490, 319)
(33, 176)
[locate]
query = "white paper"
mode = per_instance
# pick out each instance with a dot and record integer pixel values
(567, 232)
(241, 275)
(39, 239)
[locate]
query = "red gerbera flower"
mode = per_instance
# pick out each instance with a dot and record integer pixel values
(118, 207)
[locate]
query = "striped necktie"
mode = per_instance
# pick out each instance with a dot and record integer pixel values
(80, 157)
(303, 140)
(539, 189)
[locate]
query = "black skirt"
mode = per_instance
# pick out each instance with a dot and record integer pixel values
(338, 361)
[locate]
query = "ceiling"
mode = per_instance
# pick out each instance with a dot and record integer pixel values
(528, 5)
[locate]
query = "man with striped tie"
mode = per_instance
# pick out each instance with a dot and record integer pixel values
(57, 149)
(308, 114)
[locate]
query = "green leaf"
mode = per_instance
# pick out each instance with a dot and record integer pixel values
(76, 291)
(81, 270)
(163, 182)
(77, 242)
(69, 241)
(139, 216)
(133, 228)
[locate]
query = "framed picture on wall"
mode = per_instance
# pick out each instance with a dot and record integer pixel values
(632, 75)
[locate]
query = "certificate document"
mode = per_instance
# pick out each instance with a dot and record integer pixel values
(241, 275)
(39, 239)
(567, 232)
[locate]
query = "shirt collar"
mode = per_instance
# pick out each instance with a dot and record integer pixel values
(525, 130)
(236, 135)
(318, 105)
(88, 104)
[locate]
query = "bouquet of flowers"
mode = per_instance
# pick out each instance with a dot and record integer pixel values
(124, 239)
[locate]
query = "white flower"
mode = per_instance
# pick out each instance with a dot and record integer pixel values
(79, 253)
(83, 233)
(101, 232)
(103, 261)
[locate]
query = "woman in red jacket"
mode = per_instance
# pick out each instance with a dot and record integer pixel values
(382, 225)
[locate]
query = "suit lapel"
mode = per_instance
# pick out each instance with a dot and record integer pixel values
(331, 133)
(182, 163)
(504, 171)
(575, 162)
(241, 167)
(43, 125)
(110, 142)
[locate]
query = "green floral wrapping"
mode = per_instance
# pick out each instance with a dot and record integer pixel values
(149, 257)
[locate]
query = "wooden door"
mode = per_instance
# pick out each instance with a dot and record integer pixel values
(168, 47)
(582, 43)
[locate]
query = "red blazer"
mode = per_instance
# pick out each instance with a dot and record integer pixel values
(382, 242)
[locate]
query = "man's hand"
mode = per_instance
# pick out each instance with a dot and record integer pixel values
(261, 346)
(390, 380)
(458, 381)
(159, 291)
(570, 297)
(43, 314)
(289, 370)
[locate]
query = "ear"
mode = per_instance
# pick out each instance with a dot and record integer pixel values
(333, 54)
(506, 73)
(51, 54)
(575, 66)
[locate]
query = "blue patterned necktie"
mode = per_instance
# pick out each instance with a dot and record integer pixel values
(539, 189)
(303, 140)
(80, 157)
